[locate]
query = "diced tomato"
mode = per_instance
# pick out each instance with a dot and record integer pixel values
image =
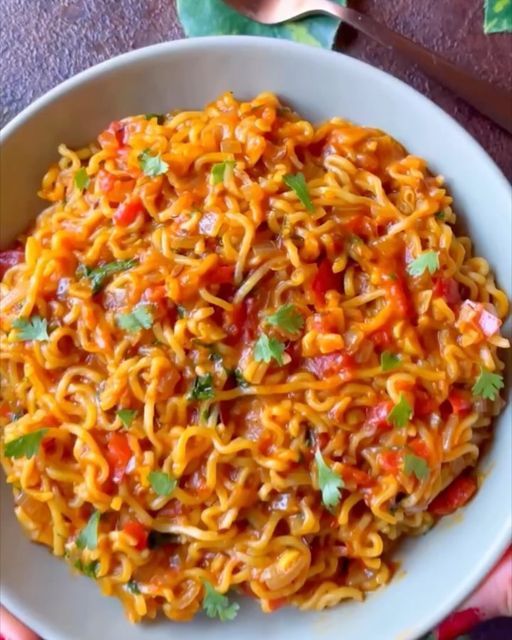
(127, 211)
(476, 314)
(390, 461)
(5, 410)
(114, 136)
(420, 448)
(382, 337)
(324, 322)
(460, 400)
(9, 259)
(357, 475)
(118, 455)
(265, 443)
(220, 275)
(448, 288)
(324, 281)
(136, 531)
(329, 364)
(399, 298)
(377, 415)
(424, 405)
(242, 321)
(155, 293)
(455, 496)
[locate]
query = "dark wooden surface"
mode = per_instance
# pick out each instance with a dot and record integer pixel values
(46, 41)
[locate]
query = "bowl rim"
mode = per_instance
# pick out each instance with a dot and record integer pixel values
(500, 537)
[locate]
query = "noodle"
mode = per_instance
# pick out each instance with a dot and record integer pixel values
(239, 351)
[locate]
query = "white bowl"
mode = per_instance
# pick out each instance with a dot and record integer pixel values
(440, 568)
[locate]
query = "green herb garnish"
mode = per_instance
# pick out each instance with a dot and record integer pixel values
(152, 166)
(81, 179)
(160, 117)
(329, 482)
(140, 318)
(34, 328)
(202, 388)
(298, 184)
(287, 318)
(89, 569)
(88, 537)
(415, 464)
(162, 483)
(267, 348)
(401, 413)
(126, 416)
(219, 169)
(25, 446)
(389, 361)
(216, 605)
(98, 275)
(427, 260)
(488, 384)
(132, 587)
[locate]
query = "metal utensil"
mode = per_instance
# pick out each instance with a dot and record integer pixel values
(494, 102)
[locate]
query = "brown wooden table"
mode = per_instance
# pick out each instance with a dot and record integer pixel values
(46, 41)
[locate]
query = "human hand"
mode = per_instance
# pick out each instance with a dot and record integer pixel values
(492, 599)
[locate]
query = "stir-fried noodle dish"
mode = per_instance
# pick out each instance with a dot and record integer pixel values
(243, 355)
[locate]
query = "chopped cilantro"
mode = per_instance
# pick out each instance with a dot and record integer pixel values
(160, 117)
(88, 537)
(329, 482)
(25, 446)
(126, 416)
(152, 166)
(162, 483)
(89, 569)
(140, 318)
(34, 328)
(267, 348)
(389, 361)
(98, 275)
(401, 413)
(488, 384)
(219, 169)
(202, 388)
(298, 184)
(132, 587)
(287, 318)
(415, 464)
(427, 260)
(81, 179)
(216, 605)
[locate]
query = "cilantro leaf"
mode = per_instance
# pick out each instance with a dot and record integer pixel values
(152, 166)
(126, 416)
(132, 587)
(401, 413)
(329, 482)
(140, 318)
(162, 483)
(202, 388)
(216, 605)
(81, 179)
(267, 348)
(298, 184)
(98, 275)
(389, 361)
(160, 117)
(219, 169)
(181, 311)
(88, 537)
(25, 446)
(440, 215)
(488, 385)
(34, 328)
(89, 569)
(427, 260)
(415, 464)
(287, 318)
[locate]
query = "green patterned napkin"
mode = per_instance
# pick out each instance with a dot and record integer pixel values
(498, 16)
(213, 17)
